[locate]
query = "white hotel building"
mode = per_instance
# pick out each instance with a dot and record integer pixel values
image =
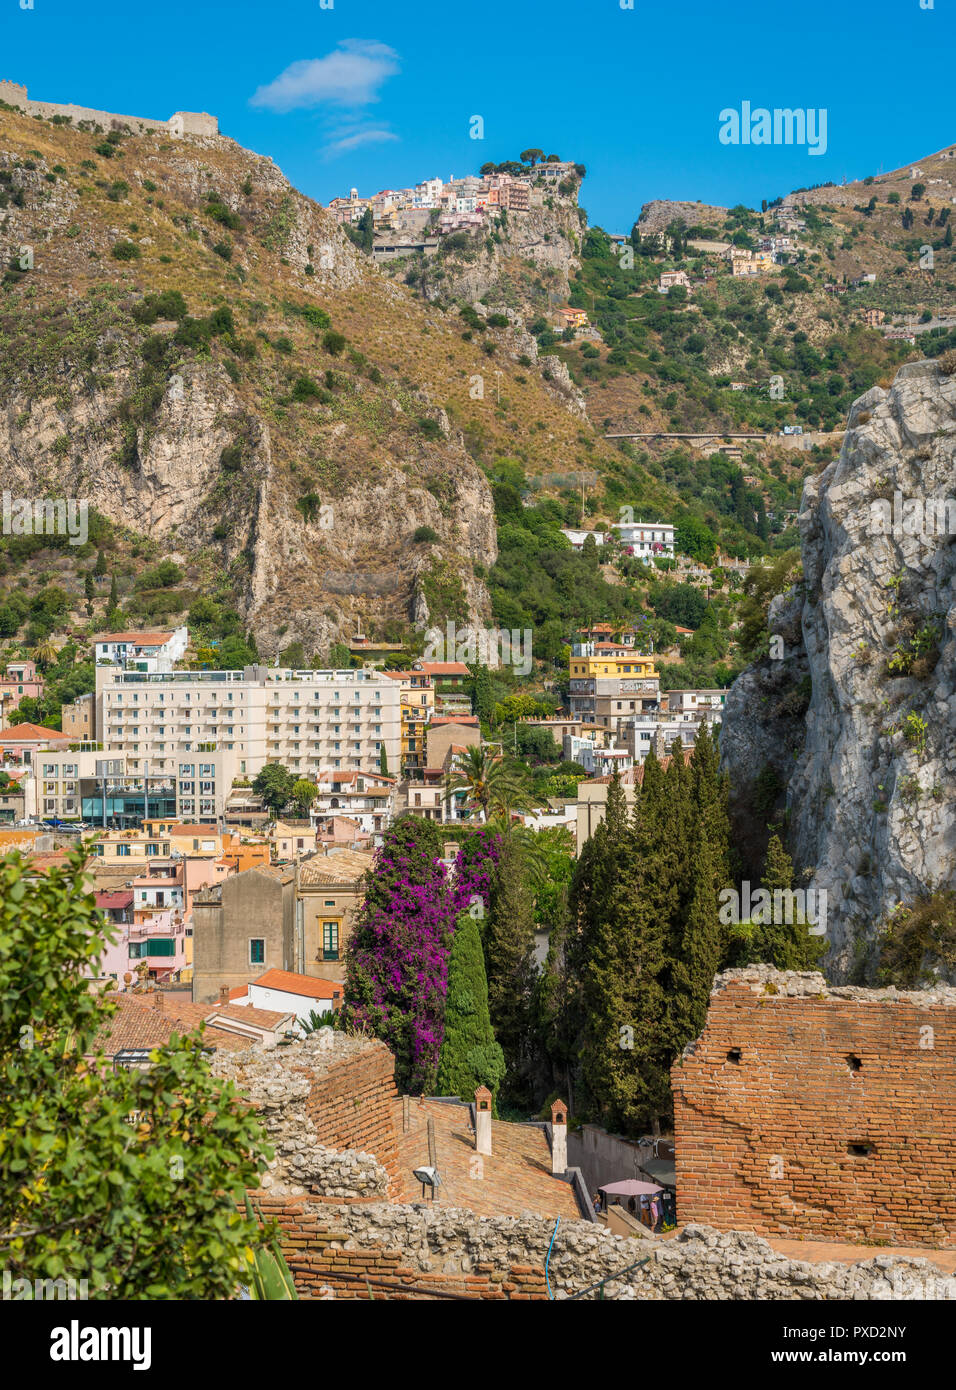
(310, 721)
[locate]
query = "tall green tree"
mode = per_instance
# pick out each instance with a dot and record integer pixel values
(276, 785)
(470, 1056)
(510, 964)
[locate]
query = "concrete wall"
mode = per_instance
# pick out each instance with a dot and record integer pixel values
(604, 1157)
(819, 1113)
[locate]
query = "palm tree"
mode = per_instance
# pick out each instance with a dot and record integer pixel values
(45, 652)
(489, 783)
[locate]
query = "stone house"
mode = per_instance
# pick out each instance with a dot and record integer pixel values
(242, 926)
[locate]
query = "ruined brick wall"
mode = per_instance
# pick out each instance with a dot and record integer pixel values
(350, 1105)
(414, 1252)
(820, 1113)
(326, 1103)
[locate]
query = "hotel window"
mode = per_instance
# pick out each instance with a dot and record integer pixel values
(330, 940)
(123, 851)
(257, 950)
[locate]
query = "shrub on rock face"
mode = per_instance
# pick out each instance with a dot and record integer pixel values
(125, 251)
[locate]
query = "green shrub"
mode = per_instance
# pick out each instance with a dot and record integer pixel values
(125, 251)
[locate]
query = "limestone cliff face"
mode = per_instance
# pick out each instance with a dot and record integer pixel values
(347, 498)
(871, 784)
(541, 245)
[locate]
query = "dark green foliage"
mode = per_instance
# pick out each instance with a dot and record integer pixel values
(274, 784)
(470, 1057)
(510, 966)
(143, 1210)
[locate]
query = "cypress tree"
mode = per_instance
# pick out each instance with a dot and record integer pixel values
(509, 962)
(470, 1057)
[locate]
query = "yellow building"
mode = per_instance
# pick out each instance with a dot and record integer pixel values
(610, 683)
(330, 889)
(417, 707)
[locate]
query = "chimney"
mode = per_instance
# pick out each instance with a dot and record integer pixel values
(559, 1138)
(483, 1121)
(158, 1000)
(224, 994)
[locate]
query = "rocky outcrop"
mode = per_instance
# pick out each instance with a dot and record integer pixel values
(658, 214)
(341, 506)
(871, 794)
(526, 263)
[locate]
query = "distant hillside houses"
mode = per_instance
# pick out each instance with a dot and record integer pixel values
(459, 202)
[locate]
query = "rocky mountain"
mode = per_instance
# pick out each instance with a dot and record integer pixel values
(853, 726)
(196, 349)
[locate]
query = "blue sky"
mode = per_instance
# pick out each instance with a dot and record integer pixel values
(374, 93)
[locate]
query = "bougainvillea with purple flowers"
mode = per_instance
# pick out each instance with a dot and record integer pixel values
(475, 868)
(397, 959)
(396, 979)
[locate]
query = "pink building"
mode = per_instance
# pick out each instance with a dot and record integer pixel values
(157, 941)
(19, 682)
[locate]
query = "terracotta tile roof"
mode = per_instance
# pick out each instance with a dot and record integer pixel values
(135, 1025)
(345, 866)
(109, 902)
(43, 861)
(515, 1178)
(140, 1023)
(141, 639)
(445, 668)
(471, 719)
(31, 733)
(293, 983)
(245, 1013)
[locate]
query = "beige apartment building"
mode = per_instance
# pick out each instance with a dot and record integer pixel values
(107, 789)
(79, 719)
(310, 721)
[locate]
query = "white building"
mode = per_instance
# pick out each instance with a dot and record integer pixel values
(647, 538)
(309, 721)
(694, 704)
(577, 538)
(141, 651)
(286, 992)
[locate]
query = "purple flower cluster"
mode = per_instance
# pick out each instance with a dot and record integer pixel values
(398, 957)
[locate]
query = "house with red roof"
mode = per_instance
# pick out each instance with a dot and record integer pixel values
(21, 743)
(286, 991)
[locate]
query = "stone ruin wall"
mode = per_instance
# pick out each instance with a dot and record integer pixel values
(188, 122)
(339, 1229)
(820, 1113)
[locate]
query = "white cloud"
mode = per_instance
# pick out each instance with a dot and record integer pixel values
(360, 137)
(350, 76)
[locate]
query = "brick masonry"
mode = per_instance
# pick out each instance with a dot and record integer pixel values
(819, 1113)
(351, 1106)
